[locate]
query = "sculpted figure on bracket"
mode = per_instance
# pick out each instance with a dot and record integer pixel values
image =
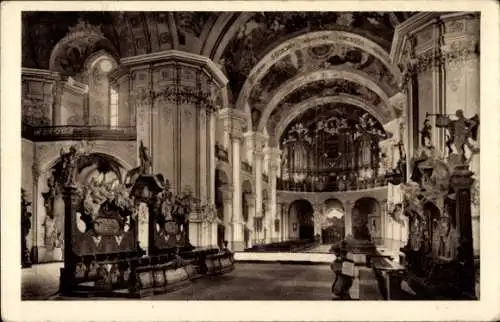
(145, 166)
(462, 134)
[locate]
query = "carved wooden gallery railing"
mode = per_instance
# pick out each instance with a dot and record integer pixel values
(79, 132)
(102, 253)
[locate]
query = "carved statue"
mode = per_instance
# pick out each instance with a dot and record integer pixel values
(425, 139)
(461, 132)
(145, 166)
(25, 229)
(69, 167)
(163, 202)
(49, 196)
(182, 207)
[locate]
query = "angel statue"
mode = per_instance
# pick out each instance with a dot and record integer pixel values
(461, 131)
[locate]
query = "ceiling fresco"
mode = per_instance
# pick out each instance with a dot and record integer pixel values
(331, 87)
(321, 58)
(236, 41)
(128, 33)
(264, 31)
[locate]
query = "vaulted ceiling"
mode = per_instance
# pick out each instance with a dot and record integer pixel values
(272, 59)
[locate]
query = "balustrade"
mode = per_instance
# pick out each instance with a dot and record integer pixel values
(79, 132)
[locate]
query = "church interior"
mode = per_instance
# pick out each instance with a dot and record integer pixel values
(152, 138)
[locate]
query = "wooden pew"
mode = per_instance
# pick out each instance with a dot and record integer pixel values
(389, 275)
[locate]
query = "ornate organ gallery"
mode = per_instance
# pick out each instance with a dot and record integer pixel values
(332, 148)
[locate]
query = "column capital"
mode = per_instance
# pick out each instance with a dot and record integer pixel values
(189, 59)
(348, 203)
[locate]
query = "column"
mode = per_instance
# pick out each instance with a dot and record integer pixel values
(348, 205)
(251, 218)
(286, 224)
(237, 223)
(234, 120)
(319, 213)
(227, 196)
(383, 222)
(211, 160)
(461, 181)
(34, 214)
(174, 94)
(274, 166)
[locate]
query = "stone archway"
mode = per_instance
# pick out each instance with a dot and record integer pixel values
(366, 219)
(333, 225)
(301, 220)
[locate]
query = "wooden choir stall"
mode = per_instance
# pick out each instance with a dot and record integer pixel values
(129, 240)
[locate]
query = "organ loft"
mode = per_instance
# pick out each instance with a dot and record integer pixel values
(150, 134)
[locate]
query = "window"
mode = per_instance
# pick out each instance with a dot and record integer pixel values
(103, 99)
(113, 108)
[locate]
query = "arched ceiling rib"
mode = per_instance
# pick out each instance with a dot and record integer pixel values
(320, 76)
(262, 53)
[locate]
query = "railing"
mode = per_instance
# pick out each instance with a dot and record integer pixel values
(79, 132)
(331, 186)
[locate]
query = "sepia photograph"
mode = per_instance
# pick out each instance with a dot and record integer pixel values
(252, 155)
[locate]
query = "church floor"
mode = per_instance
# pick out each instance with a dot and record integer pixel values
(249, 281)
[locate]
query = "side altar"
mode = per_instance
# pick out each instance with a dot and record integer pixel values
(129, 239)
(438, 203)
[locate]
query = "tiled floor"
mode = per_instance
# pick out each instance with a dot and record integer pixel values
(249, 281)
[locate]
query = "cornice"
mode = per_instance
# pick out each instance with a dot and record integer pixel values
(409, 27)
(40, 73)
(178, 56)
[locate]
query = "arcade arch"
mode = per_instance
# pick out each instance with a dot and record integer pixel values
(301, 214)
(333, 224)
(366, 219)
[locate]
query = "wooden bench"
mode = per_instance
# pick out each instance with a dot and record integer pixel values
(389, 275)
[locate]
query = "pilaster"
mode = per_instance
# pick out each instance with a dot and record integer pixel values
(274, 157)
(174, 95)
(348, 205)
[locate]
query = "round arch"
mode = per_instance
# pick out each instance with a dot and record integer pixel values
(310, 40)
(333, 225)
(79, 44)
(365, 218)
(316, 101)
(301, 224)
(304, 79)
(112, 158)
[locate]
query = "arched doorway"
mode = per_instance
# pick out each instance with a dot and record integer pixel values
(96, 169)
(301, 220)
(221, 182)
(366, 219)
(333, 227)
